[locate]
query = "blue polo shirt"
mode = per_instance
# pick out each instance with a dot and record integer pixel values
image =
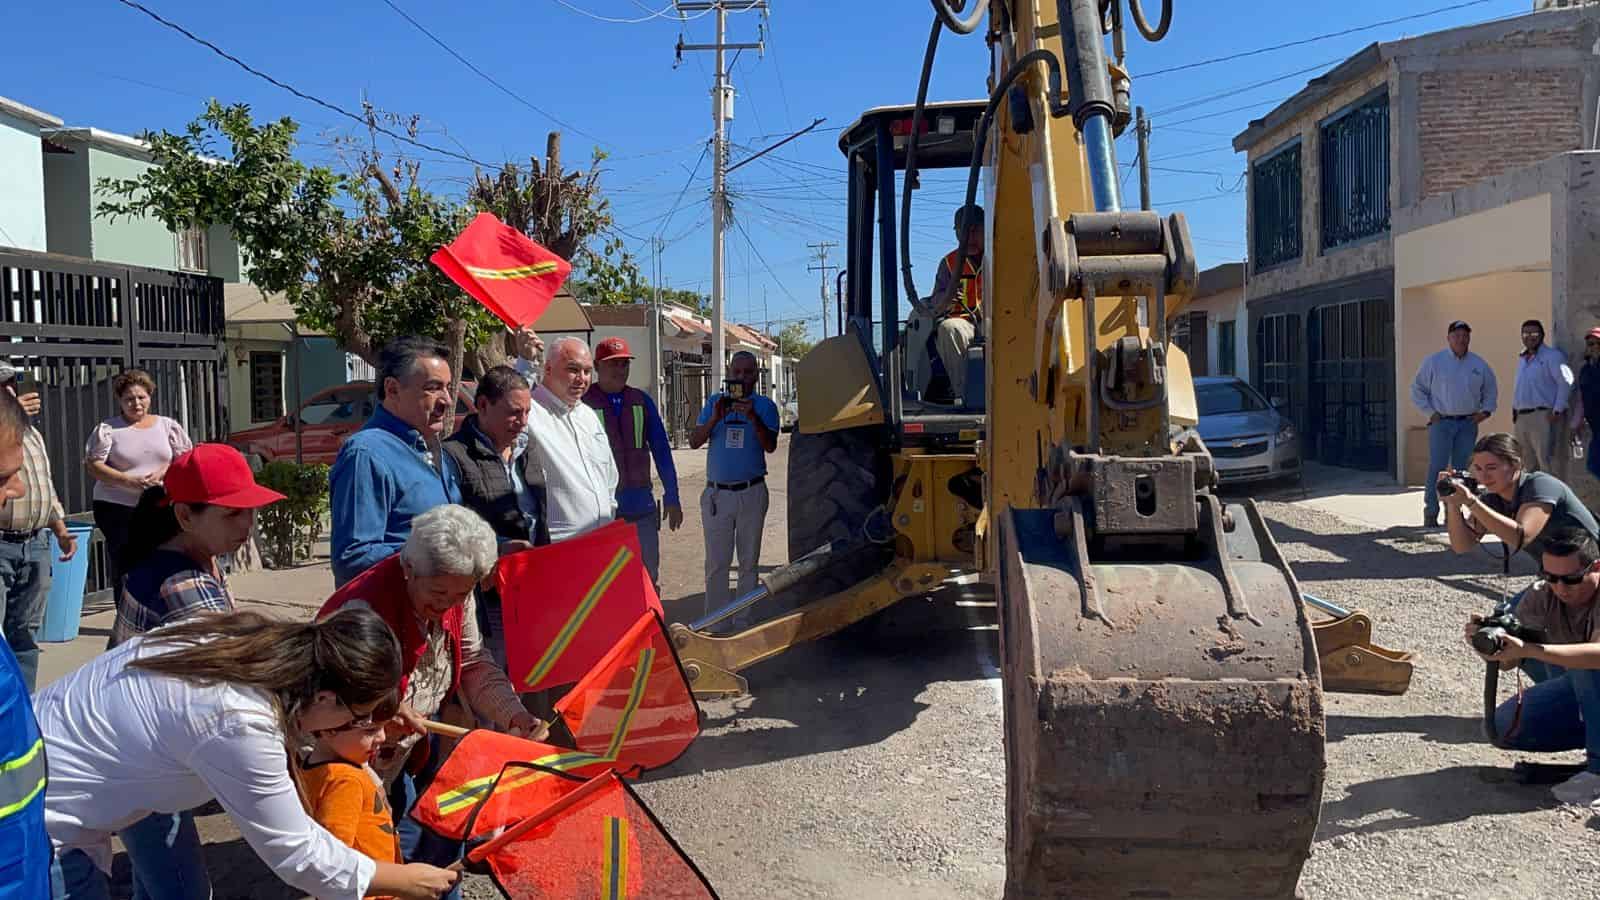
(735, 452)
(384, 477)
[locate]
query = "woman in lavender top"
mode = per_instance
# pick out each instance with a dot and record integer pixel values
(126, 454)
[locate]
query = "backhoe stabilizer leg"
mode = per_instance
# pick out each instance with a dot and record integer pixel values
(1352, 664)
(712, 661)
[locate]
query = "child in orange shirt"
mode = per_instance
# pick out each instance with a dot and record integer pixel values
(344, 794)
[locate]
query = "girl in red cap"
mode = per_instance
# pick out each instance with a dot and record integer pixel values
(205, 509)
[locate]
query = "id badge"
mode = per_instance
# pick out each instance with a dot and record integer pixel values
(734, 439)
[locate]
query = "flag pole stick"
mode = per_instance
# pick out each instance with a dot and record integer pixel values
(445, 729)
(478, 853)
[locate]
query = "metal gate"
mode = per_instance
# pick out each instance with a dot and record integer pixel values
(1352, 383)
(1280, 365)
(72, 325)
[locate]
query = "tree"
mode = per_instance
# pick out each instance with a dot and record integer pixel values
(794, 341)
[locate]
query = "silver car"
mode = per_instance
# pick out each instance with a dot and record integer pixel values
(1248, 439)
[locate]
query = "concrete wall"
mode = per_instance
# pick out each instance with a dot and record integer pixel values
(139, 240)
(1224, 306)
(67, 212)
(1314, 266)
(22, 209)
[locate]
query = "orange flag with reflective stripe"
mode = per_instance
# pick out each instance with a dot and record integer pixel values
(503, 269)
(564, 605)
(598, 842)
(492, 779)
(634, 707)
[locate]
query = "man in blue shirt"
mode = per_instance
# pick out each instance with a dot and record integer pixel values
(1539, 399)
(637, 435)
(1456, 390)
(24, 844)
(392, 470)
(742, 428)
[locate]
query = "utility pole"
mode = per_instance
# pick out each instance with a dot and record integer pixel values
(721, 111)
(823, 267)
(656, 367)
(1143, 126)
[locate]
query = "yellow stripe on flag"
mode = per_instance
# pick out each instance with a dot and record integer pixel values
(641, 677)
(544, 268)
(579, 616)
(469, 792)
(614, 859)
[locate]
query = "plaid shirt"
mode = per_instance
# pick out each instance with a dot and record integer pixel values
(38, 507)
(166, 588)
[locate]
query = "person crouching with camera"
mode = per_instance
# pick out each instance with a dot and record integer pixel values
(1550, 632)
(1500, 498)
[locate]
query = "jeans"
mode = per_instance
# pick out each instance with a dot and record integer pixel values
(649, 528)
(1592, 462)
(24, 586)
(168, 864)
(419, 844)
(1560, 712)
(1449, 447)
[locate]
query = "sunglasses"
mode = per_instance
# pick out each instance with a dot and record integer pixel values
(1575, 578)
(366, 724)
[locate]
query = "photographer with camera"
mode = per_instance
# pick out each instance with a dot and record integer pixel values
(1550, 632)
(1501, 499)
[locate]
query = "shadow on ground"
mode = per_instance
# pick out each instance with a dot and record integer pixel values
(1426, 799)
(849, 690)
(1433, 729)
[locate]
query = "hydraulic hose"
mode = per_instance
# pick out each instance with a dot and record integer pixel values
(949, 15)
(911, 161)
(1140, 22)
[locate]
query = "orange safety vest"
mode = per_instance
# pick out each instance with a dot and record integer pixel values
(971, 305)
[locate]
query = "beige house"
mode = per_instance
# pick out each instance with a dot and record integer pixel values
(1210, 327)
(1337, 168)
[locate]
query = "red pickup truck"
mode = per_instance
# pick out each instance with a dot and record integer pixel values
(326, 420)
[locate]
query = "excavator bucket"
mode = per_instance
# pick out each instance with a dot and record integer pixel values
(1352, 664)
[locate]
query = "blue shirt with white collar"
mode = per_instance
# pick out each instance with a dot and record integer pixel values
(385, 476)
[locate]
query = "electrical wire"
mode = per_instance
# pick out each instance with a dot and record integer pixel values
(331, 107)
(1310, 40)
(679, 202)
(487, 77)
(661, 13)
(1240, 89)
(781, 286)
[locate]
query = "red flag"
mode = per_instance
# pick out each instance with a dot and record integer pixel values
(598, 842)
(566, 604)
(634, 707)
(492, 779)
(508, 273)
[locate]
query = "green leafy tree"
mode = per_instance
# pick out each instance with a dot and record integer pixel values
(794, 341)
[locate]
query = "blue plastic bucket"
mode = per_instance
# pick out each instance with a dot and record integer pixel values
(64, 608)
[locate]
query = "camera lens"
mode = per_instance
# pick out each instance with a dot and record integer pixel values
(1488, 640)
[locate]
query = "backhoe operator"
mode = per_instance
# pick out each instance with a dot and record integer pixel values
(954, 308)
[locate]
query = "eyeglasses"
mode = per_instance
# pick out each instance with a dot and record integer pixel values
(1568, 580)
(365, 724)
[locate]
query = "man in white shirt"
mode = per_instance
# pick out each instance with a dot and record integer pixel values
(568, 446)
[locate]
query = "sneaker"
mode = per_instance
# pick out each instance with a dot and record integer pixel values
(1581, 789)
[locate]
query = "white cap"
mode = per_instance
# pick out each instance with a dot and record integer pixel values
(7, 370)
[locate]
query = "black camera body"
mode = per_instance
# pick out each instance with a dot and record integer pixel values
(1489, 638)
(1446, 488)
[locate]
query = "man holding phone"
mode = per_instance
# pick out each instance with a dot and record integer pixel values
(742, 428)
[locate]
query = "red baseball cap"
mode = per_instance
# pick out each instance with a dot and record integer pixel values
(612, 348)
(1593, 333)
(216, 474)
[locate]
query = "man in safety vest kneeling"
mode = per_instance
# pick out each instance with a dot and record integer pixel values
(637, 435)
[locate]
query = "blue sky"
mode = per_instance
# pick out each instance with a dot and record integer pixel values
(100, 63)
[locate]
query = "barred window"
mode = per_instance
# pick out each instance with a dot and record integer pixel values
(1354, 165)
(1275, 207)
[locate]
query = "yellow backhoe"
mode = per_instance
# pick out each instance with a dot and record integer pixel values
(1162, 677)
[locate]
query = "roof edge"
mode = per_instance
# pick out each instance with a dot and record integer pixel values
(27, 113)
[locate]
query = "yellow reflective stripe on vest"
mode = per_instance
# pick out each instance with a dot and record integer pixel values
(22, 779)
(638, 426)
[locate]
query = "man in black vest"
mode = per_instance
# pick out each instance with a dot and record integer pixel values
(491, 459)
(637, 435)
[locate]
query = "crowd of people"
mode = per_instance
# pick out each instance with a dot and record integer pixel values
(315, 736)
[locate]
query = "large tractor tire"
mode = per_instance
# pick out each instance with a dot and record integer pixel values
(836, 480)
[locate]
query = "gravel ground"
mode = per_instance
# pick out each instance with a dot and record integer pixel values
(1416, 803)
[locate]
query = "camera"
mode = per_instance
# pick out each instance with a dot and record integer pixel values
(734, 389)
(1445, 488)
(1490, 635)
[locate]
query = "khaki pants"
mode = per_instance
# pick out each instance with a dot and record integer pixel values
(954, 336)
(1540, 440)
(733, 521)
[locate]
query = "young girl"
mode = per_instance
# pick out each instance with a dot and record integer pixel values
(344, 794)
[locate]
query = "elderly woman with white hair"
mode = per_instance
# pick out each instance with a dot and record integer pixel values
(425, 595)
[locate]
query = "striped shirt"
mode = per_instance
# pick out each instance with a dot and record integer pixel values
(38, 507)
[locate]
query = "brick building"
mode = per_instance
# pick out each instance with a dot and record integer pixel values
(1392, 126)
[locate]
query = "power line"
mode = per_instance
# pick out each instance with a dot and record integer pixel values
(132, 4)
(781, 286)
(1310, 40)
(679, 202)
(657, 14)
(1240, 89)
(486, 76)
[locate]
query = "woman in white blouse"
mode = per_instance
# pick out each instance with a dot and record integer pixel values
(209, 709)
